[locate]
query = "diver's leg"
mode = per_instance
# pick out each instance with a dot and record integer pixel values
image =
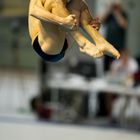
(50, 38)
(85, 45)
(102, 44)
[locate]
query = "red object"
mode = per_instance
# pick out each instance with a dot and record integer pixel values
(44, 113)
(137, 77)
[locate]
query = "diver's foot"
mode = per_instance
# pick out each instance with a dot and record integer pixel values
(91, 50)
(108, 49)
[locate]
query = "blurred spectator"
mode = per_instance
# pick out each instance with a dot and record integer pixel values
(121, 72)
(124, 69)
(116, 21)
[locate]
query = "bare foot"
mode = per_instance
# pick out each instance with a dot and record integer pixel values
(91, 49)
(108, 49)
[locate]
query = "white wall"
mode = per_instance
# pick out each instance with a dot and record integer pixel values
(133, 38)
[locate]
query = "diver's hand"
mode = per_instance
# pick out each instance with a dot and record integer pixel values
(95, 23)
(70, 22)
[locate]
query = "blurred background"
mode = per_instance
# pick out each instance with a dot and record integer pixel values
(76, 92)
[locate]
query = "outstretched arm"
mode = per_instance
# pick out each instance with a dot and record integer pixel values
(122, 22)
(38, 11)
